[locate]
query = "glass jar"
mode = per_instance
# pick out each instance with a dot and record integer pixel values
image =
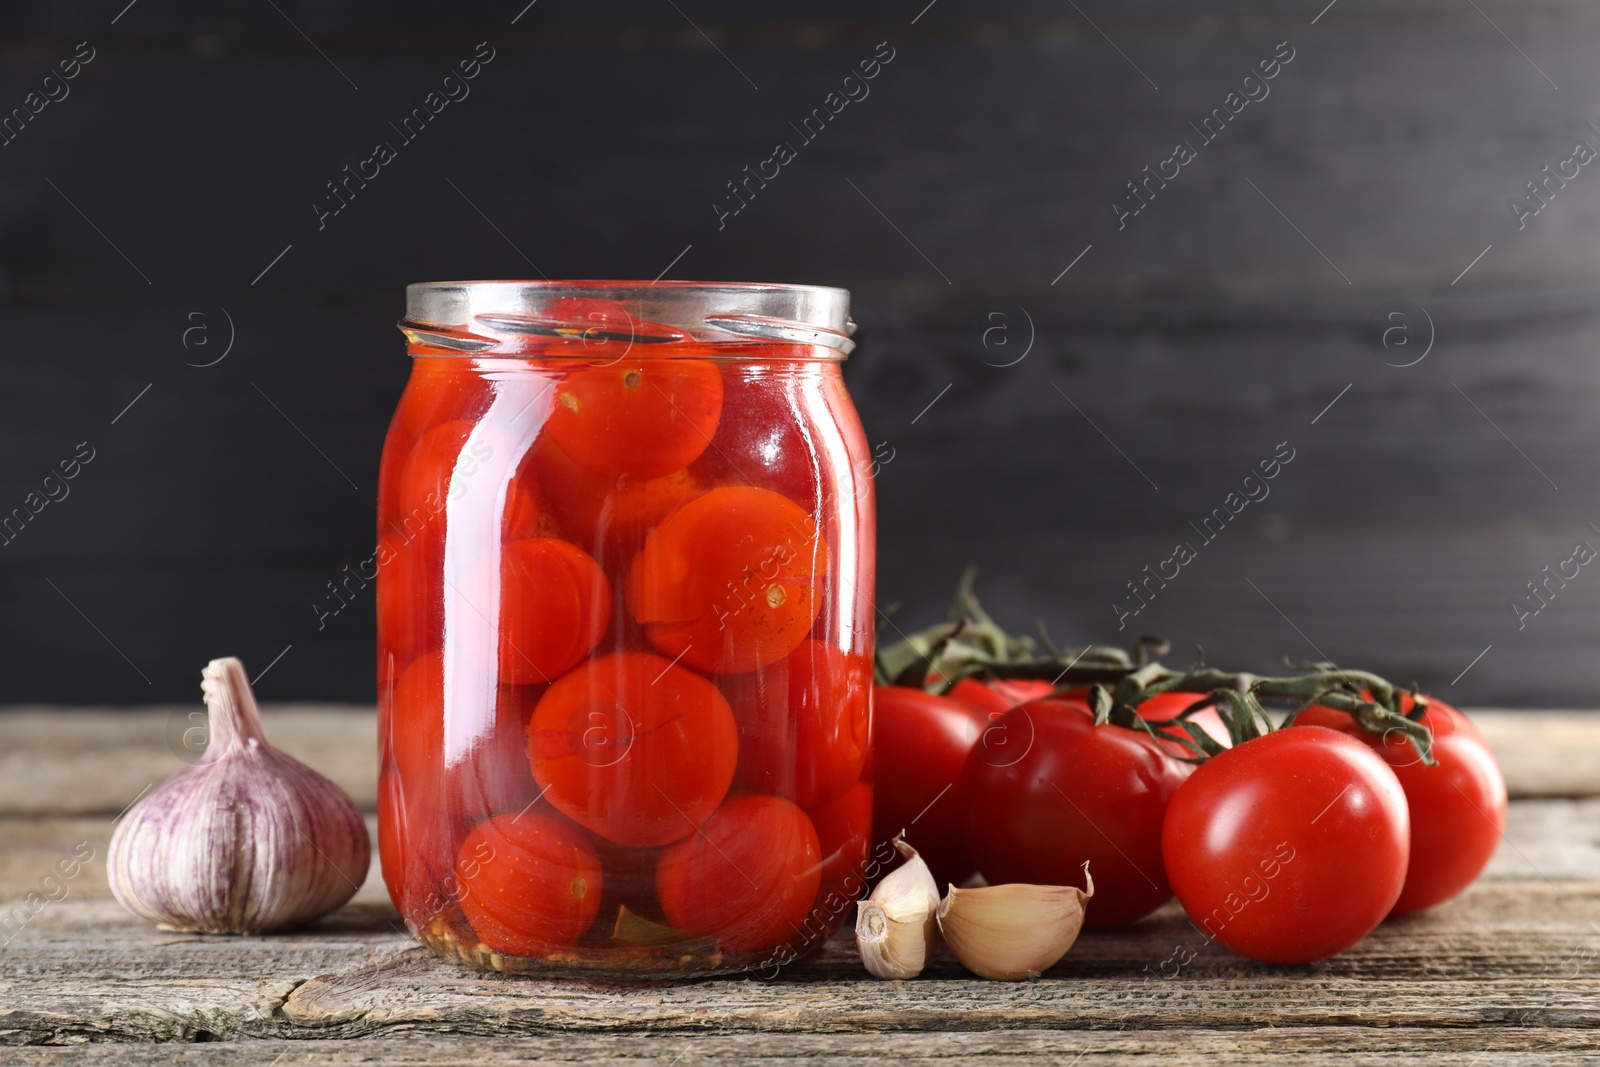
(625, 572)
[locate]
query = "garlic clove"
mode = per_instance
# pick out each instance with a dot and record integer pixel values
(1012, 932)
(895, 924)
(248, 840)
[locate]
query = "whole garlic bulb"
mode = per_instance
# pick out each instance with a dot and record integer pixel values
(248, 840)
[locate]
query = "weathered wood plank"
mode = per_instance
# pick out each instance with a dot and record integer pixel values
(1510, 1046)
(1510, 965)
(1513, 953)
(1519, 947)
(72, 761)
(31, 847)
(1545, 754)
(1350, 1046)
(80, 761)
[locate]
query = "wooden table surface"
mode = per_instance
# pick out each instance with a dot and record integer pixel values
(1509, 973)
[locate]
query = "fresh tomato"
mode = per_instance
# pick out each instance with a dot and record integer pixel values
(728, 582)
(607, 516)
(485, 768)
(996, 696)
(633, 748)
(748, 878)
(1458, 805)
(920, 743)
(554, 604)
(804, 724)
(842, 828)
(1045, 789)
(529, 884)
(1290, 847)
(643, 418)
(1166, 707)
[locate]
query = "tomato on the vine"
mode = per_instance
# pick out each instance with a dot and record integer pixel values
(634, 748)
(529, 884)
(1046, 789)
(748, 878)
(803, 723)
(1163, 710)
(1458, 805)
(1291, 847)
(729, 580)
(996, 696)
(643, 418)
(920, 743)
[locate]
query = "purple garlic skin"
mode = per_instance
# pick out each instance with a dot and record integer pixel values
(247, 841)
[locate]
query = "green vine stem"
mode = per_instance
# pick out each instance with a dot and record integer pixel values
(970, 644)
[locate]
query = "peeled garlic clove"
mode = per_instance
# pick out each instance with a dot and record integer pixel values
(1011, 932)
(246, 841)
(895, 924)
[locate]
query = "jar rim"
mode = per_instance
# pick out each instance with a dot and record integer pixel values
(484, 317)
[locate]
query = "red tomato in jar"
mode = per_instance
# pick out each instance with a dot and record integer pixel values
(410, 618)
(1045, 789)
(842, 828)
(440, 463)
(608, 517)
(630, 880)
(1291, 847)
(529, 884)
(417, 846)
(486, 724)
(920, 743)
(728, 582)
(763, 438)
(748, 878)
(554, 606)
(644, 418)
(1457, 806)
(633, 748)
(439, 390)
(803, 724)
(449, 464)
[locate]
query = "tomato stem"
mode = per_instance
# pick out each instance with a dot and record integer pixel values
(971, 644)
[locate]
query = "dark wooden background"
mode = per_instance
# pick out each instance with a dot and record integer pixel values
(1190, 343)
